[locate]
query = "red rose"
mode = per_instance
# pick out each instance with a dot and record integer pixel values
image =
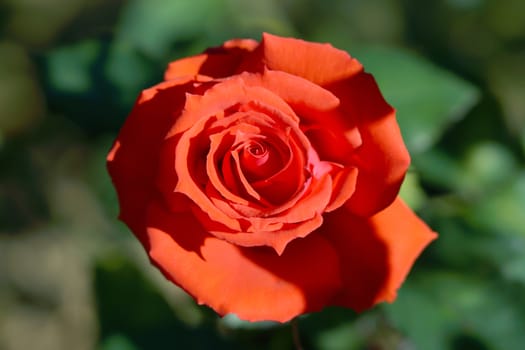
(263, 178)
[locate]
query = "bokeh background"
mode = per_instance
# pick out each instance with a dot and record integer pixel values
(73, 278)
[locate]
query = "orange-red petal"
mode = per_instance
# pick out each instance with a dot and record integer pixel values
(254, 283)
(322, 64)
(382, 158)
(133, 159)
(343, 179)
(376, 253)
(279, 230)
(216, 62)
(333, 134)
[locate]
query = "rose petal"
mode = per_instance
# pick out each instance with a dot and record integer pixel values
(187, 66)
(190, 166)
(262, 233)
(376, 253)
(216, 62)
(227, 179)
(335, 135)
(299, 92)
(382, 159)
(133, 159)
(243, 281)
(281, 186)
(344, 180)
(199, 113)
(167, 178)
(320, 63)
(331, 143)
(261, 159)
(224, 95)
(278, 230)
(225, 166)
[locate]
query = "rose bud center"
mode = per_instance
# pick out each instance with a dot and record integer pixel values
(259, 160)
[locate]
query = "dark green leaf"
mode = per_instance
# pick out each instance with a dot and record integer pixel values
(427, 98)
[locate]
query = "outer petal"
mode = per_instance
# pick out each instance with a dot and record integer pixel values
(216, 62)
(376, 253)
(382, 159)
(322, 64)
(318, 108)
(256, 284)
(133, 159)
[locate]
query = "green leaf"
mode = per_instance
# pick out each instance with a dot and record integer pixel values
(411, 191)
(342, 337)
(440, 307)
(153, 27)
(251, 17)
(98, 177)
(128, 72)
(118, 342)
(502, 211)
(234, 322)
(69, 67)
(488, 165)
(427, 98)
(485, 168)
(514, 270)
(522, 140)
(407, 313)
(439, 168)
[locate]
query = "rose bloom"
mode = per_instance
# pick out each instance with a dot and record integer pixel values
(263, 179)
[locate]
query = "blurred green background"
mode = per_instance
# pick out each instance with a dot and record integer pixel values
(72, 277)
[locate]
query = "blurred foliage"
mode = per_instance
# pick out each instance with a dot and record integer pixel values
(72, 277)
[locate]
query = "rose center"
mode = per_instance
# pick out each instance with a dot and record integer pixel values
(256, 150)
(259, 160)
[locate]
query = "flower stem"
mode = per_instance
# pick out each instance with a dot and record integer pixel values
(295, 334)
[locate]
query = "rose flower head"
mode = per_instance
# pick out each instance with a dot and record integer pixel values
(263, 179)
